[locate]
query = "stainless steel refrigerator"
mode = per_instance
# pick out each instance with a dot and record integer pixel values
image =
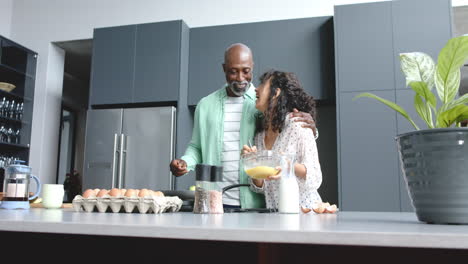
(129, 148)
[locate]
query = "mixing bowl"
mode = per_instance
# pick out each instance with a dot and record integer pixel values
(261, 164)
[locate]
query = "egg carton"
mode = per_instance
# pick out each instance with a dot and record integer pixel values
(123, 204)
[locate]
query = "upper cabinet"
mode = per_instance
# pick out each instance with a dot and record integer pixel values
(137, 63)
(113, 65)
(157, 62)
(364, 49)
(303, 46)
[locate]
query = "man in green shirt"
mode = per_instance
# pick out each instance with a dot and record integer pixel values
(227, 116)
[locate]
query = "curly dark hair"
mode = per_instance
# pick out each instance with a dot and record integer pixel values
(292, 96)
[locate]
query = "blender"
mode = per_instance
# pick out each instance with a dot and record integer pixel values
(16, 186)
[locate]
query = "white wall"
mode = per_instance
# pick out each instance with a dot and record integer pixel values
(36, 24)
(5, 17)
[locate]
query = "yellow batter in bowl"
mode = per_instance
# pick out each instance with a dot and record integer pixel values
(261, 172)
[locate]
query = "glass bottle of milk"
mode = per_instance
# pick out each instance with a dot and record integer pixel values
(288, 188)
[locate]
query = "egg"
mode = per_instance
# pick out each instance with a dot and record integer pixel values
(158, 193)
(115, 192)
(331, 209)
(102, 192)
(89, 193)
(123, 191)
(144, 192)
(130, 193)
(96, 191)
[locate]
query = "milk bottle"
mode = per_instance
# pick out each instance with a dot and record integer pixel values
(288, 189)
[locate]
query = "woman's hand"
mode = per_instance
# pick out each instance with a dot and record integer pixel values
(246, 149)
(277, 176)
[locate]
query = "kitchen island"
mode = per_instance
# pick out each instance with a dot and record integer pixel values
(255, 237)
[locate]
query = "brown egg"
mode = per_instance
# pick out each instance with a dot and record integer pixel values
(89, 193)
(144, 192)
(102, 192)
(130, 193)
(115, 192)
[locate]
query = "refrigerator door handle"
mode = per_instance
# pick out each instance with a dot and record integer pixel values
(115, 159)
(123, 159)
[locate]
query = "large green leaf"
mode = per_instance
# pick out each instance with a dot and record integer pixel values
(423, 110)
(390, 104)
(459, 101)
(418, 66)
(447, 88)
(447, 78)
(453, 115)
(422, 90)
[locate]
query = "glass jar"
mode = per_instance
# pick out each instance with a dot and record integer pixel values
(208, 194)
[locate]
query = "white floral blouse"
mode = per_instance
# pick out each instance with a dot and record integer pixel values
(294, 139)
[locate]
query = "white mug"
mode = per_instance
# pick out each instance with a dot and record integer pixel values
(52, 195)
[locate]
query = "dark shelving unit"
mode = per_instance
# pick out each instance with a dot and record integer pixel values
(18, 67)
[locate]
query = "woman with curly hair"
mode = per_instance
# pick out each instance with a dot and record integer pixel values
(278, 94)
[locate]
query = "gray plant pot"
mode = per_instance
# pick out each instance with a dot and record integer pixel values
(435, 167)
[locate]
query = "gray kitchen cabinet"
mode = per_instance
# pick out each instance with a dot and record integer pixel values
(137, 63)
(369, 173)
(113, 64)
(427, 31)
(368, 154)
(363, 39)
(303, 46)
(157, 61)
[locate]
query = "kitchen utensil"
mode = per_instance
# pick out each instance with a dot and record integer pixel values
(260, 164)
(16, 186)
(7, 87)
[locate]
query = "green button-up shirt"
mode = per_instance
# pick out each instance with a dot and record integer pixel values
(206, 145)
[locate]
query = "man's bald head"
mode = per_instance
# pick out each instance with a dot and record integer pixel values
(238, 67)
(237, 50)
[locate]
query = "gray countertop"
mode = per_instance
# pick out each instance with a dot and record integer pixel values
(343, 228)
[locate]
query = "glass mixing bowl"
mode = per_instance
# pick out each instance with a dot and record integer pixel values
(261, 164)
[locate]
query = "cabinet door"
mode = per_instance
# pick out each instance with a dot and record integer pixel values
(368, 157)
(426, 31)
(157, 62)
(364, 52)
(303, 46)
(113, 64)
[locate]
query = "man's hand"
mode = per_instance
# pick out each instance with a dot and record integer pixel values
(306, 118)
(178, 167)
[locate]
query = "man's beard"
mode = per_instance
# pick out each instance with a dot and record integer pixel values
(239, 91)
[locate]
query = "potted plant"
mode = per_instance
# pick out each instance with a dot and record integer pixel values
(434, 161)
